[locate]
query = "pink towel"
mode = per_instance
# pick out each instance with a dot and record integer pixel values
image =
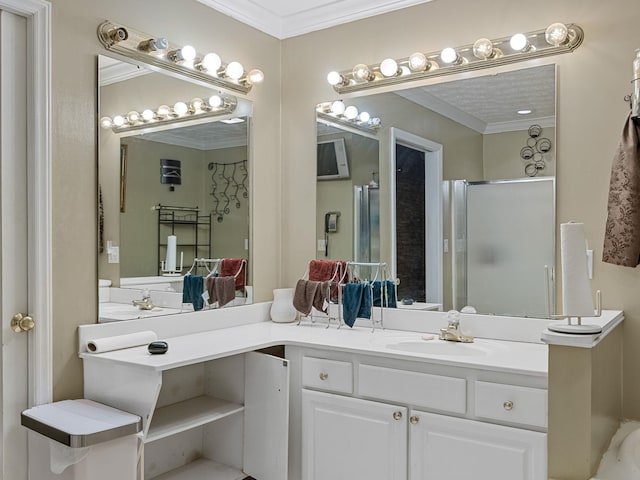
(230, 267)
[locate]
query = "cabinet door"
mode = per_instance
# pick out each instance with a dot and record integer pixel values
(450, 448)
(266, 416)
(346, 438)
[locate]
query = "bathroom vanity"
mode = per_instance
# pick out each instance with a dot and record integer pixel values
(237, 395)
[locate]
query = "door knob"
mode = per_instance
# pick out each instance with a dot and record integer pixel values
(22, 323)
(397, 415)
(413, 419)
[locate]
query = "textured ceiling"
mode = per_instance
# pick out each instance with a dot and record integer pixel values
(205, 136)
(286, 18)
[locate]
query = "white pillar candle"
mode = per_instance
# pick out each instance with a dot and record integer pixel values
(170, 262)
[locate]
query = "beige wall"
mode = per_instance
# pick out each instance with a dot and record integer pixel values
(75, 47)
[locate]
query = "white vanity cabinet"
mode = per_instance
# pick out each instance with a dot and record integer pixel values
(375, 418)
(220, 419)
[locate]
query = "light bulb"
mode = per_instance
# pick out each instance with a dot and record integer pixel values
(188, 53)
(118, 120)
(133, 116)
(375, 122)
(215, 101)
(180, 108)
(351, 112)
(106, 122)
(154, 44)
(483, 48)
(519, 42)
(362, 73)
(338, 107)
(211, 62)
(196, 104)
(364, 117)
(147, 115)
(163, 111)
(334, 78)
(389, 67)
(418, 62)
(234, 70)
(449, 55)
(556, 34)
(255, 76)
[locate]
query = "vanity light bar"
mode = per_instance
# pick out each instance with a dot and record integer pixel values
(349, 116)
(215, 105)
(484, 53)
(185, 60)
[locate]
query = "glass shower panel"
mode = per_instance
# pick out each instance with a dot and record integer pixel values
(510, 235)
(367, 224)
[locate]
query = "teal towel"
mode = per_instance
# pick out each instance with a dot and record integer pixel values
(382, 298)
(192, 289)
(356, 302)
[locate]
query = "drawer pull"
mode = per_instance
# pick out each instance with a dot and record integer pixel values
(508, 405)
(413, 419)
(324, 375)
(397, 415)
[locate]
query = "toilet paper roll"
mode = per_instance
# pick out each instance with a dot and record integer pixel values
(119, 342)
(577, 300)
(170, 262)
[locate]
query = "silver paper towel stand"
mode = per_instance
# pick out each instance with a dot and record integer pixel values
(578, 328)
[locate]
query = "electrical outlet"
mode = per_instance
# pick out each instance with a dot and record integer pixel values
(322, 244)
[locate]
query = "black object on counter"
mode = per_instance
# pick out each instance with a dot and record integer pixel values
(158, 348)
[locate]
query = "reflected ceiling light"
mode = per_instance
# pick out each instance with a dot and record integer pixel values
(222, 104)
(338, 112)
(484, 53)
(183, 60)
(524, 111)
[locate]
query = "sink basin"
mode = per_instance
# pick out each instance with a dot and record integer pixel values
(438, 347)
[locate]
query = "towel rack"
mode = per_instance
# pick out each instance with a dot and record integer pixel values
(337, 275)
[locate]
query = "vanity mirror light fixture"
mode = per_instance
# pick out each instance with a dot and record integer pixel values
(215, 105)
(185, 60)
(348, 116)
(484, 53)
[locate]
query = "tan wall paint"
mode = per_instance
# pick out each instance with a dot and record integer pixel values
(75, 47)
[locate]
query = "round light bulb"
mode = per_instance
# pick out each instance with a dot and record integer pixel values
(334, 78)
(418, 62)
(389, 67)
(519, 42)
(361, 72)
(338, 107)
(188, 53)
(374, 122)
(147, 115)
(234, 70)
(163, 111)
(180, 108)
(483, 48)
(556, 34)
(351, 112)
(215, 101)
(106, 122)
(364, 117)
(449, 55)
(118, 120)
(197, 104)
(133, 116)
(211, 62)
(255, 76)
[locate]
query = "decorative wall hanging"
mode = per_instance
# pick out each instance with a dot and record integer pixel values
(534, 152)
(228, 186)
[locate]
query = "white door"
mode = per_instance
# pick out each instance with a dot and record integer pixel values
(347, 438)
(25, 244)
(457, 449)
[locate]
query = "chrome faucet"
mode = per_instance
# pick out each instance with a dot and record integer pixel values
(452, 332)
(145, 303)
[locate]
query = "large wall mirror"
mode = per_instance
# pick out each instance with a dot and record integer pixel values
(459, 189)
(172, 194)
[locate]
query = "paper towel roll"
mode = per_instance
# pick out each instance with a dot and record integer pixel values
(577, 300)
(119, 342)
(170, 262)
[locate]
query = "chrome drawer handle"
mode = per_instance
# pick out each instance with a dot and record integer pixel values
(413, 419)
(397, 415)
(324, 375)
(508, 405)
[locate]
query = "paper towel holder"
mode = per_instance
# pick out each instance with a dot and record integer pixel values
(577, 328)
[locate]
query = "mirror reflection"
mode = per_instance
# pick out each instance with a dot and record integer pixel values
(174, 202)
(465, 172)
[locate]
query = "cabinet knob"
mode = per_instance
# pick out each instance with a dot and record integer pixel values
(413, 419)
(508, 405)
(324, 375)
(397, 415)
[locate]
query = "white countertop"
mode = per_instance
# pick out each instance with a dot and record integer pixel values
(608, 320)
(495, 355)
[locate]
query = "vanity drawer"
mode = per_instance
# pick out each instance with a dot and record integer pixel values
(329, 375)
(510, 403)
(447, 394)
